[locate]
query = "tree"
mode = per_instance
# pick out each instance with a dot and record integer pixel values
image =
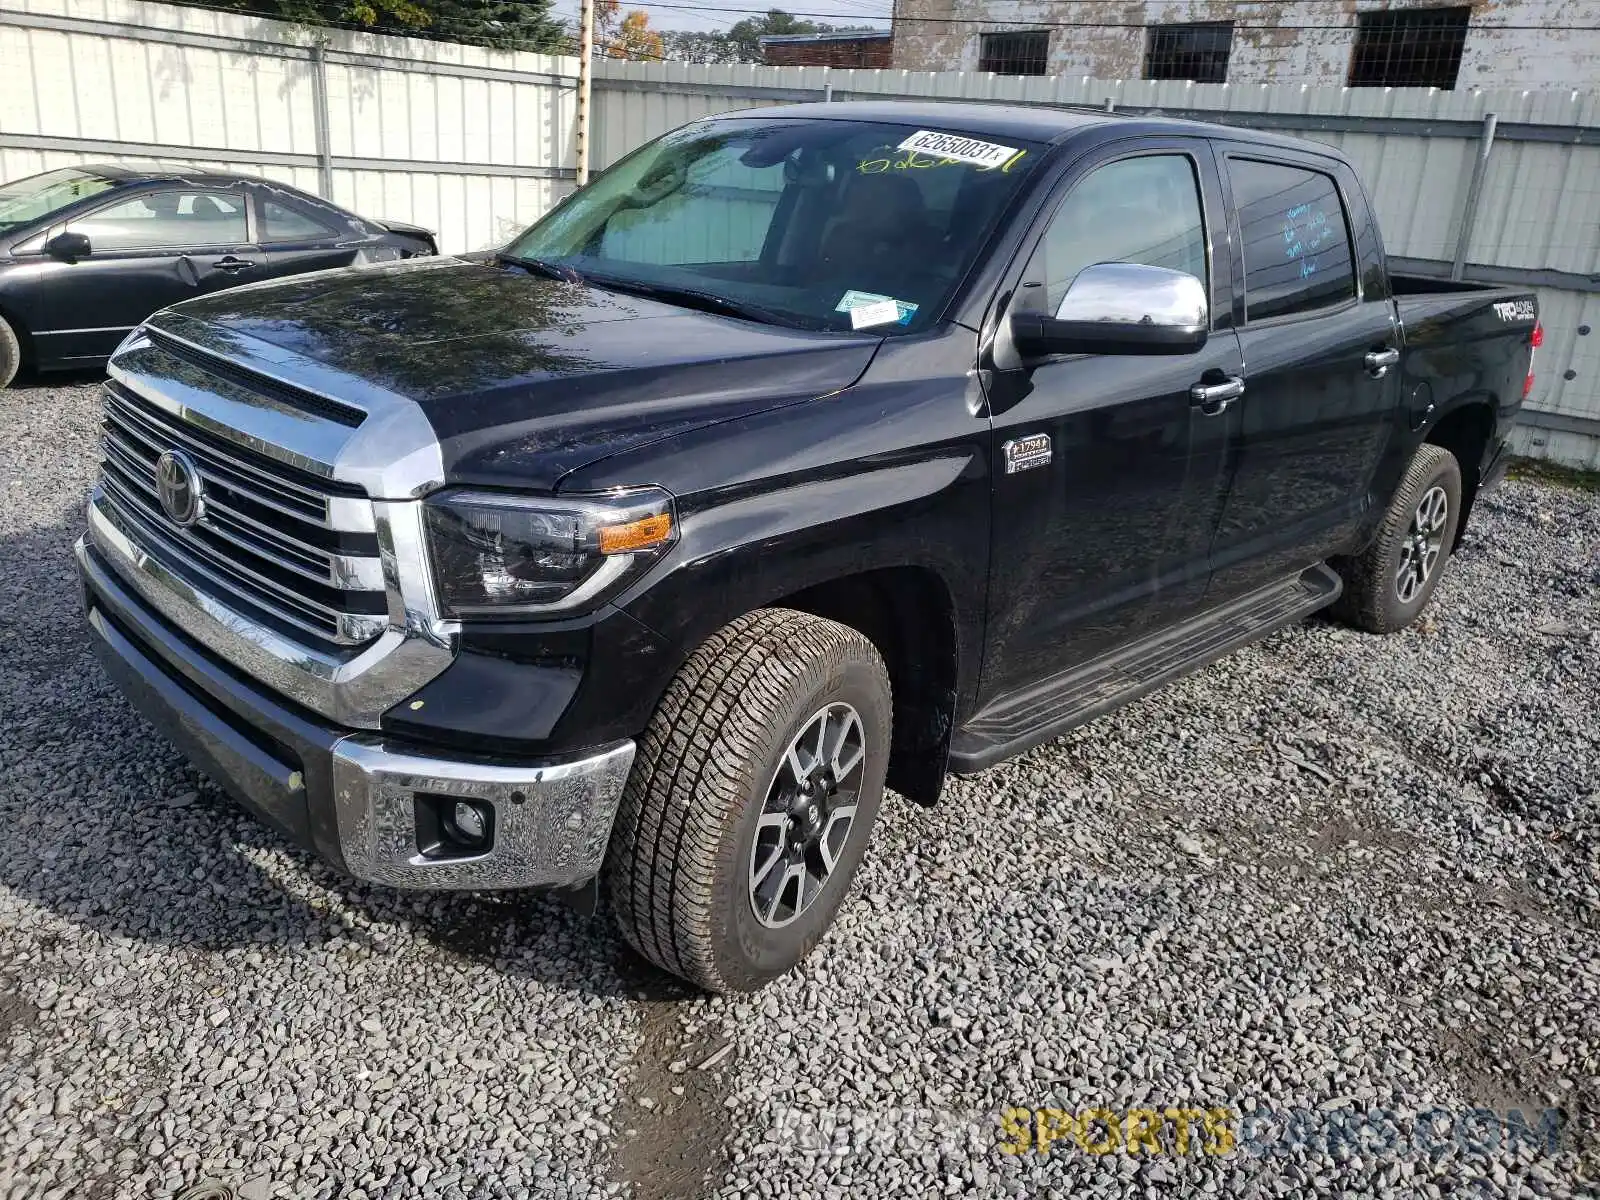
(635, 38)
(698, 46)
(742, 42)
(499, 24)
(624, 36)
(746, 35)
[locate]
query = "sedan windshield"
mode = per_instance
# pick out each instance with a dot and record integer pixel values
(819, 224)
(28, 200)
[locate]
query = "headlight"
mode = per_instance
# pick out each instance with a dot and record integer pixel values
(496, 554)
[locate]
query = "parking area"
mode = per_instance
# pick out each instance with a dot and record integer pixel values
(1332, 883)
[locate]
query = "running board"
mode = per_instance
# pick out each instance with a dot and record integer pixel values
(1011, 724)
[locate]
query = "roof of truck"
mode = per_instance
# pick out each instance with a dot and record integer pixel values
(1030, 122)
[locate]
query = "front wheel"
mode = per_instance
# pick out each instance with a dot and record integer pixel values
(751, 800)
(1389, 584)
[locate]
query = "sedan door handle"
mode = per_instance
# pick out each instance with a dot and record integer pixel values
(1214, 398)
(1379, 361)
(229, 263)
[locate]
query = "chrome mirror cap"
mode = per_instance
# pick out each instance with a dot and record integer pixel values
(1134, 294)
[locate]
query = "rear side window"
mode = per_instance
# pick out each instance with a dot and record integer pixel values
(283, 224)
(1296, 243)
(175, 220)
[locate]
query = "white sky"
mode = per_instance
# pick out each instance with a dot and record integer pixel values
(716, 16)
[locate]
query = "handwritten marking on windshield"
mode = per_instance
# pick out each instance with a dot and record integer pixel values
(910, 160)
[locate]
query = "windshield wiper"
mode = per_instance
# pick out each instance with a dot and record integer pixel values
(692, 298)
(541, 266)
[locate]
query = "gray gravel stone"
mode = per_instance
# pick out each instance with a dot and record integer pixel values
(1333, 878)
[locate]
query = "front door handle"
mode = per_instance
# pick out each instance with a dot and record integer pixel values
(229, 263)
(1214, 398)
(1379, 361)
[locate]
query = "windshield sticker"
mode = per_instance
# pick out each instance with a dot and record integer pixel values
(869, 308)
(880, 312)
(962, 149)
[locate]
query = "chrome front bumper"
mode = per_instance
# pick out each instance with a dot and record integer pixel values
(354, 797)
(550, 828)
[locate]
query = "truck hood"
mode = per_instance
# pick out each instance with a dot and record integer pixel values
(525, 378)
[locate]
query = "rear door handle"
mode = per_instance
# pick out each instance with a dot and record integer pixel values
(1214, 398)
(1379, 361)
(229, 263)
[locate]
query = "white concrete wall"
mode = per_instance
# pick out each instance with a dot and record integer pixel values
(1523, 43)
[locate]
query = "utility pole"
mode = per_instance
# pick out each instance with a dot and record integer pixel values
(585, 61)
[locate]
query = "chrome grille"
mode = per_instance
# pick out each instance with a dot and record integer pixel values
(293, 551)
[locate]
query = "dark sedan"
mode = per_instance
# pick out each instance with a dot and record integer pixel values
(86, 253)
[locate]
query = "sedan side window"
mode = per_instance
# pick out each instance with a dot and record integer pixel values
(281, 223)
(175, 220)
(1142, 210)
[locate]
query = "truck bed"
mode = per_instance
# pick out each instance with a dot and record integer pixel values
(1427, 285)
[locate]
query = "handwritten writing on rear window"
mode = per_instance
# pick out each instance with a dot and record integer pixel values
(1307, 232)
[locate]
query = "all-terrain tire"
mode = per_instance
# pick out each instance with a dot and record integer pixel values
(678, 874)
(1375, 598)
(10, 353)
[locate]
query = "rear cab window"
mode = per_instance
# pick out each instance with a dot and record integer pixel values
(1295, 238)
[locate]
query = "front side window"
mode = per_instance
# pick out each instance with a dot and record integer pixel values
(1136, 210)
(172, 220)
(1296, 245)
(36, 197)
(798, 222)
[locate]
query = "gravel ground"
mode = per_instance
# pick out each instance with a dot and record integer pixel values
(1332, 879)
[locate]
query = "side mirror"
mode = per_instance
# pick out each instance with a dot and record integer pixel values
(68, 246)
(1119, 308)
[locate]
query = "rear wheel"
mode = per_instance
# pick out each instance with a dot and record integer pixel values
(1391, 582)
(10, 353)
(752, 800)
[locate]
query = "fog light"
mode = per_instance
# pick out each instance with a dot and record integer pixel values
(453, 826)
(470, 821)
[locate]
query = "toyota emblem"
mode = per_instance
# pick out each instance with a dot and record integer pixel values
(178, 486)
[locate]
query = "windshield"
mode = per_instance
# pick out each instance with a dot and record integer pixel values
(820, 224)
(27, 200)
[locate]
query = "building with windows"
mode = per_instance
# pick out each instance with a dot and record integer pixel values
(838, 48)
(1368, 43)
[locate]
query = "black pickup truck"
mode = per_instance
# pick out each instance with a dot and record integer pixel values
(805, 451)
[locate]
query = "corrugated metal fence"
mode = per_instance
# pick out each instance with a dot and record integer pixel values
(478, 143)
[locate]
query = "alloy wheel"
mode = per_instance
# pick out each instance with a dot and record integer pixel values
(806, 818)
(1424, 542)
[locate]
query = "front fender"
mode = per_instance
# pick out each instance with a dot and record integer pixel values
(755, 550)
